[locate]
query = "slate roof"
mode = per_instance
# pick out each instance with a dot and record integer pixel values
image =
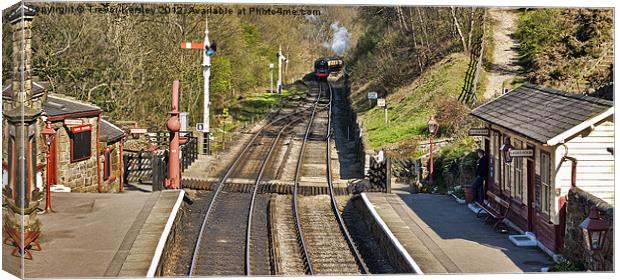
(541, 113)
(109, 132)
(57, 106)
(7, 92)
(22, 11)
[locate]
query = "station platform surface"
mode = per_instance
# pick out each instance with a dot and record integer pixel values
(99, 235)
(443, 236)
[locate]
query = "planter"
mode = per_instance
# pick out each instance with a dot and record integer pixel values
(469, 194)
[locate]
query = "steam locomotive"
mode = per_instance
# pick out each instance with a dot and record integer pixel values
(325, 66)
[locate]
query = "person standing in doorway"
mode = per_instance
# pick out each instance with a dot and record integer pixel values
(482, 172)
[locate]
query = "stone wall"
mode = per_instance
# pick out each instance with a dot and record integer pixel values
(577, 209)
(394, 257)
(80, 176)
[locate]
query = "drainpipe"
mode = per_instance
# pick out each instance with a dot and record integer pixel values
(573, 176)
(97, 153)
(120, 165)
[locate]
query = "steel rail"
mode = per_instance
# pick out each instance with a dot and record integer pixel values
(219, 187)
(254, 192)
(300, 234)
(343, 227)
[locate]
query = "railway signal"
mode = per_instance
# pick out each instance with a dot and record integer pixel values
(281, 58)
(209, 50)
(271, 66)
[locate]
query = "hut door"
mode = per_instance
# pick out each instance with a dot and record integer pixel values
(530, 195)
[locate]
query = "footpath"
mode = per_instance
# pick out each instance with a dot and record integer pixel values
(100, 235)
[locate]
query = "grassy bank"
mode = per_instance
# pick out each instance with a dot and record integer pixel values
(410, 107)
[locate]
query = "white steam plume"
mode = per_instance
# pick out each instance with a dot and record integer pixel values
(340, 39)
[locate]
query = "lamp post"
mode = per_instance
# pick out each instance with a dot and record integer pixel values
(433, 127)
(50, 135)
(595, 234)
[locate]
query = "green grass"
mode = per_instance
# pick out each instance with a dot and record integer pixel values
(255, 106)
(409, 108)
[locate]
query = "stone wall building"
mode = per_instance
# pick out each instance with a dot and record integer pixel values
(79, 149)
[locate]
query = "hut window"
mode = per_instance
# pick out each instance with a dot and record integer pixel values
(545, 180)
(496, 161)
(80, 143)
(518, 176)
(507, 172)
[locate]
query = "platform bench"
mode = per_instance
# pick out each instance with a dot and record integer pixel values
(496, 212)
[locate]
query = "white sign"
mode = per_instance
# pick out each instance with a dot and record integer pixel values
(522, 153)
(372, 95)
(73, 122)
(137, 130)
(478, 132)
(200, 126)
(381, 102)
(271, 66)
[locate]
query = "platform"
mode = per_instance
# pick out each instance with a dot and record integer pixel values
(442, 236)
(100, 235)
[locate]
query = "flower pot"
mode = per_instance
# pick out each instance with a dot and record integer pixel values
(469, 194)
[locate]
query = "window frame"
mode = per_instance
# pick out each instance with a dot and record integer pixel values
(545, 182)
(518, 172)
(72, 132)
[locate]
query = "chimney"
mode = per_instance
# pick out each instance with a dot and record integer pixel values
(21, 24)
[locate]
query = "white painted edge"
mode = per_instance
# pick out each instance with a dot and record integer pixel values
(403, 252)
(576, 129)
(159, 250)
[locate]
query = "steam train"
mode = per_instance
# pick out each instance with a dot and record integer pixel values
(325, 66)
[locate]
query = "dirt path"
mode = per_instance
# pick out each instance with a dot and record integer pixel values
(504, 55)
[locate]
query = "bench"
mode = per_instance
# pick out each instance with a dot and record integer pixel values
(496, 209)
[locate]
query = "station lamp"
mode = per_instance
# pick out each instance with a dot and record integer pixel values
(433, 127)
(594, 230)
(505, 149)
(49, 134)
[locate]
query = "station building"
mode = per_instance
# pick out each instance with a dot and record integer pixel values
(565, 140)
(86, 151)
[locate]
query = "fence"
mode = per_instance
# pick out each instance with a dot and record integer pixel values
(151, 167)
(145, 168)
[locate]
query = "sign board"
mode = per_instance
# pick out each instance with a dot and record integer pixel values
(200, 126)
(522, 153)
(372, 95)
(73, 122)
(81, 128)
(271, 66)
(137, 130)
(381, 102)
(478, 132)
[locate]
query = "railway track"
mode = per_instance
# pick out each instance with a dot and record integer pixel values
(324, 243)
(221, 247)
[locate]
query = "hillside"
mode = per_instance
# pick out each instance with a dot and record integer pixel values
(410, 106)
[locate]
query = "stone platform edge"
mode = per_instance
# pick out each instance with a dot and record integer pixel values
(396, 249)
(157, 257)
